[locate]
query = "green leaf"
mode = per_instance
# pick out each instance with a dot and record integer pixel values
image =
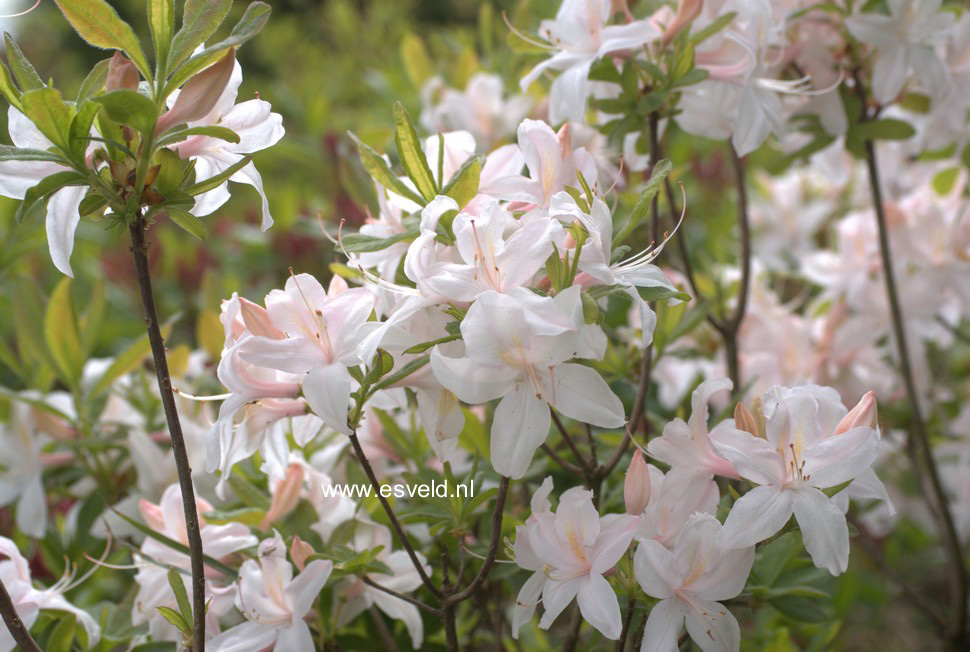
(100, 25)
(27, 77)
(62, 636)
(251, 23)
(175, 545)
(79, 135)
(713, 28)
(248, 493)
(381, 172)
(424, 346)
(50, 114)
(642, 208)
(414, 56)
(181, 596)
(47, 187)
(62, 334)
(222, 133)
(412, 156)
(8, 89)
(402, 373)
(94, 82)
(175, 618)
(126, 361)
(188, 222)
(129, 108)
(89, 324)
(883, 129)
(200, 20)
(214, 182)
(161, 20)
(660, 293)
(361, 243)
(10, 153)
(463, 185)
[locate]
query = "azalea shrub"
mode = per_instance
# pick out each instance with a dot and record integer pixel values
(630, 325)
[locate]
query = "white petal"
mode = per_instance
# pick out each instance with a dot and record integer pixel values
(712, 626)
(526, 601)
(62, 220)
(824, 529)
(520, 426)
(580, 393)
(758, 514)
(295, 638)
(245, 637)
(663, 626)
(599, 606)
(555, 597)
(327, 390)
(303, 590)
(655, 568)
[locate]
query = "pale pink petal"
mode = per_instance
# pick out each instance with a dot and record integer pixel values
(663, 626)
(327, 391)
(599, 606)
(824, 529)
(712, 626)
(519, 427)
(757, 515)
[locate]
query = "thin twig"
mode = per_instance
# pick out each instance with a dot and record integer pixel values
(569, 442)
(566, 465)
(395, 524)
(16, 627)
(139, 251)
(958, 572)
(625, 630)
(382, 629)
(493, 545)
(401, 596)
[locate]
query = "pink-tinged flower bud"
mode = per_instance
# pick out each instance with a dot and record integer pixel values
(122, 74)
(863, 415)
(286, 496)
(744, 420)
(257, 320)
(337, 285)
(300, 551)
(200, 94)
(53, 425)
(687, 11)
(636, 486)
(152, 514)
(565, 139)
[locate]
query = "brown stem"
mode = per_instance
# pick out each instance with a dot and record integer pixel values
(382, 629)
(451, 629)
(493, 544)
(395, 524)
(625, 630)
(575, 625)
(566, 465)
(958, 572)
(16, 627)
(587, 469)
(139, 251)
(401, 596)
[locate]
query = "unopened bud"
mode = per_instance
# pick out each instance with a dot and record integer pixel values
(636, 485)
(863, 415)
(300, 551)
(286, 496)
(152, 514)
(257, 320)
(758, 412)
(200, 94)
(565, 139)
(122, 74)
(337, 285)
(687, 11)
(744, 420)
(53, 425)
